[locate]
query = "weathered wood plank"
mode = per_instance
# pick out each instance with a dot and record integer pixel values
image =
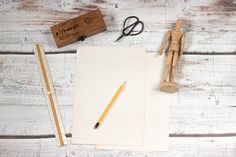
(211, 27)
(179, 147)
(205, 103)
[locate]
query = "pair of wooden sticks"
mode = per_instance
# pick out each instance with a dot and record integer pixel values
(50, 95)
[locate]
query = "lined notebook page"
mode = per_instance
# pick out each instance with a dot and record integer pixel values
(156, 134)
(100, 72)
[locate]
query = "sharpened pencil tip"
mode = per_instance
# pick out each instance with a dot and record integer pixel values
(96, 125)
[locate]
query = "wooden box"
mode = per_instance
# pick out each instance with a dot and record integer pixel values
(78, 28)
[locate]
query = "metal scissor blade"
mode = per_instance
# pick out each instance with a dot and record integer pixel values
(121, 36)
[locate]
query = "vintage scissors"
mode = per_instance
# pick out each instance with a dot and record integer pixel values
(129, 30)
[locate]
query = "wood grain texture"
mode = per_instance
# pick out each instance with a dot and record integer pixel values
(202, 122)
(211, 26)
(205, 103)
(179, 147)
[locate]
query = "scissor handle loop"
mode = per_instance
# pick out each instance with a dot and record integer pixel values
(133, 25)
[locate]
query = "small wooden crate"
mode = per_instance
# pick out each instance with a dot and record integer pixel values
(78, 28)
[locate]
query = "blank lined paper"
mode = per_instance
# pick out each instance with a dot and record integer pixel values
(156, 128)
(100, 72)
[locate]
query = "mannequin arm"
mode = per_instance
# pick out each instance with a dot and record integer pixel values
(163, 45)
(182, 43)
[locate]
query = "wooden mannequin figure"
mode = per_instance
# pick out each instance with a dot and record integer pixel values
(175, 50)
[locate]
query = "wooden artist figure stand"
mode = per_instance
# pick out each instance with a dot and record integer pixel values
(175, 50)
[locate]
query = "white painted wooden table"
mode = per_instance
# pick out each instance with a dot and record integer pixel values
(203, 115)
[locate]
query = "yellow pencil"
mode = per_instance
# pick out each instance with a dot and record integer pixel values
(109, 105)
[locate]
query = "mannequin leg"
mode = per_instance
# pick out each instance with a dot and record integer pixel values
(168, 64)
(174, 65)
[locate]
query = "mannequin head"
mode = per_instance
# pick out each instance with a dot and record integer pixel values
(179, 24)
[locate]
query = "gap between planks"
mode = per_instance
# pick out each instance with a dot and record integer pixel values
(69, 135)
(72, 52)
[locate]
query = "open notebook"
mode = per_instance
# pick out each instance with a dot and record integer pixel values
(139, 119)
